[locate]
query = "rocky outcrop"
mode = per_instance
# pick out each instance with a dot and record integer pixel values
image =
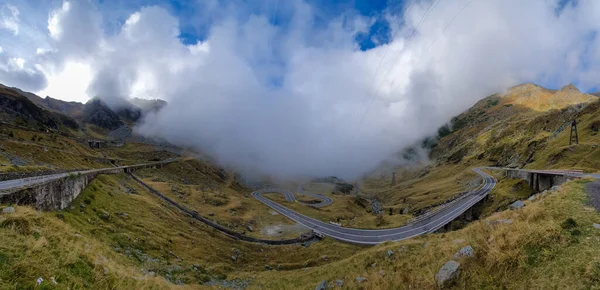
(15, 106)
(464, 252)
(447, 273)
(98, 113)
(517, 205)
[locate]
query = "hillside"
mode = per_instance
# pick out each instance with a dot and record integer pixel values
(118, 234)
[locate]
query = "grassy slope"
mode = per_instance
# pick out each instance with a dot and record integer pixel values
(48, 150)
(74, 246)
(215, 194)
(532, 252)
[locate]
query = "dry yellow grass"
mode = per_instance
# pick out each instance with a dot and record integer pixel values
(535, 251)
(75, 245)
(540, 99)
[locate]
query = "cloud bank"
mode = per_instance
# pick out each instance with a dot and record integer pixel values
(299, 97)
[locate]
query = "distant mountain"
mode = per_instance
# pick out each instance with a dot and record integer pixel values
(517, 127)
(96, 112)
(147, 106)
(17, 109)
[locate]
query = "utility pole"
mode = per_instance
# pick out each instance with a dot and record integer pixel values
(573, 138)
(393, 179)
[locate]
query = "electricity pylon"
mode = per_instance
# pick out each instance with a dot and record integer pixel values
(573, 138)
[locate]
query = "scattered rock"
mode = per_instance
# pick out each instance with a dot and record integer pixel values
(53, 281)
(324, 257)
(249, 228)
(272, 212)
(269, 268)
(40, 280)
(390, 253)
(77, 235)
(500, 221)
(81, 205)
(339, 283)
(596, 225)
(555, 188)
(381, 273)
(8, 210)
(464, 252)
(447, 273)
(104, 215)
(123, 214)
(517, 205)
(360, 279)
(426, 244)
(233, 258)
(106, 270)
(532, 197)
(211, 214)
(322, 285)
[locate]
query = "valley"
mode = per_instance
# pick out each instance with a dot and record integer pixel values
(118, 234)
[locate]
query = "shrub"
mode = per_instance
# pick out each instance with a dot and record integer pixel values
(568, 224)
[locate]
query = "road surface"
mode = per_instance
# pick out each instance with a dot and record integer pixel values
(421, 225)
(31, 181)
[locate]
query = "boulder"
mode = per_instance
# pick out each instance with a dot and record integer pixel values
(360, 279)
(464, 252)
(447, 273)
(517, 205)
(9, 209)
(322, 285)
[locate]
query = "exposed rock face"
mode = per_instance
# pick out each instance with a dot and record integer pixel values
(96, 112)
(447, 273)
(13, 104)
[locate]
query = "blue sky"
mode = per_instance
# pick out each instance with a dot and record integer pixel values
(194, 28)
(298, 78)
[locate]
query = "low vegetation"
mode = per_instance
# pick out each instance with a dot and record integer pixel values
(535, 247)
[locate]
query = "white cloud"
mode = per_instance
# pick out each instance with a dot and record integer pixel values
(15, 72)
(70, 84)
(9, 18)
(301, 100)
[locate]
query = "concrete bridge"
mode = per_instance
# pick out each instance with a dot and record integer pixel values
(540, 180)
(56, 191)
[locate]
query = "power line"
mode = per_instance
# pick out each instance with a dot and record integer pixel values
(442, 33)
(275, 11)
(408, 42)
(388, 47)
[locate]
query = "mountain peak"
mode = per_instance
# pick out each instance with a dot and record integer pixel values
(570, 88)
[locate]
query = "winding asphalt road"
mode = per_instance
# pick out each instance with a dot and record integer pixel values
(30, 181)
(422, 225)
